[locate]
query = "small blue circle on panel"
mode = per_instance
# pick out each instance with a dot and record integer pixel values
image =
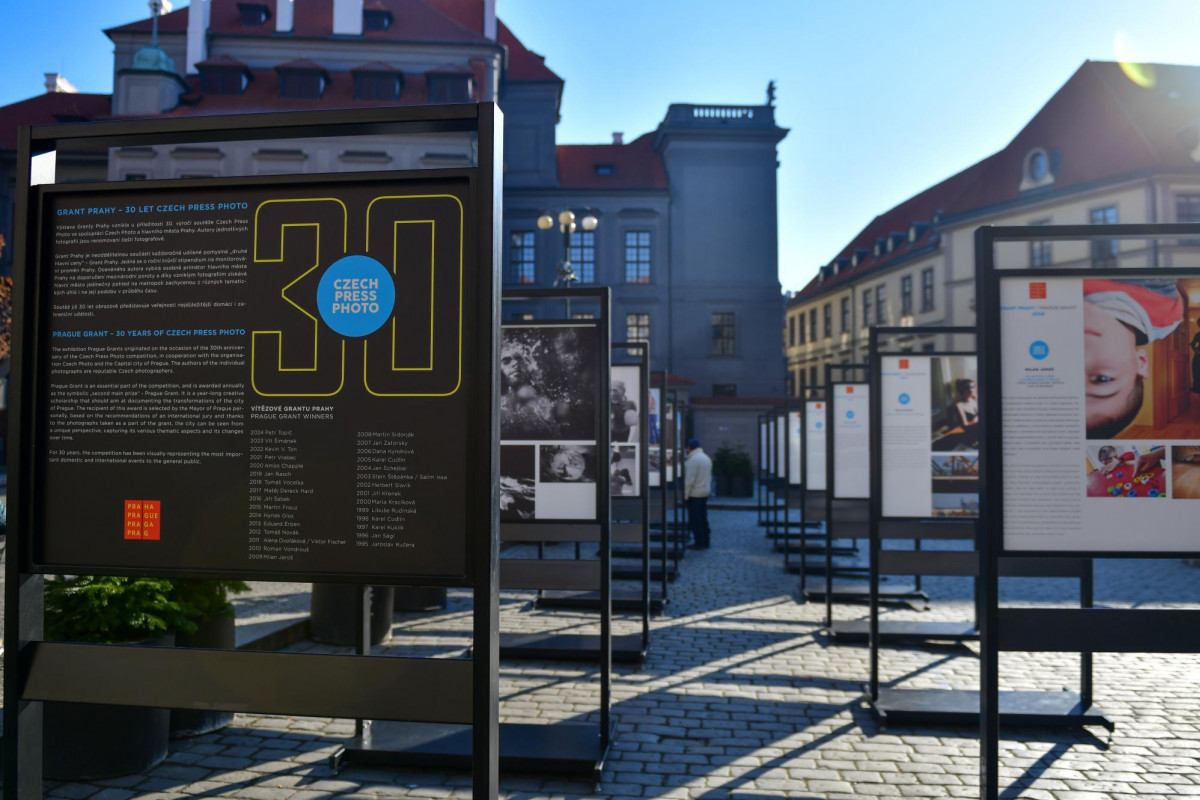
(356, 295)
(849, 415)
(905, 399)
(818, 425)
(1039, 350)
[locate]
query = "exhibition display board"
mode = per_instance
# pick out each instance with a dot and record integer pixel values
(279, 379)
(1088, 439)
(813, 445)
(848, 421)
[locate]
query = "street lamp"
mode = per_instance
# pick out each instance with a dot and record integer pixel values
(567, 225)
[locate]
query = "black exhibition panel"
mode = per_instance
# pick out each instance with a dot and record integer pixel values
(760, 472)
(843, 515)
(219, 378)
(1126, 297)
(678, 535)
(913, 527)
(946, 706)
(803, 535)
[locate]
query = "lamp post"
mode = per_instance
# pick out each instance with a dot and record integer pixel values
(565, 275)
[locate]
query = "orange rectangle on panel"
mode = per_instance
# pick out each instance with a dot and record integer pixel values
(133, 519)
(151, 519)
(849, 390)
(1037, 291)
(904, 363)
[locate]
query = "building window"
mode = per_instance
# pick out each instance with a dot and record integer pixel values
(301, 83)
(583, 315)
(254, 15)
(906, 298)
(928, 347)
(637, 327)
(927, 289)
(523, 316)
(812, 326)
(828, 320)
(606, 169)
(791, 331)
(724, 333)
(724, 390)
(637, 256)
(881, 312)
(866, 320)
(1187, 209)
(582, 253)
(812, 378)
(1039, 250)
(802, 329)
(378, 85)
(1104, 251)
(845, 314)
(222, 80)
(449, 88)
(376, 20)
(522, 257)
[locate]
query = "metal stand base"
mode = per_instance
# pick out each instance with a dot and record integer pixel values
(900, 632)
(590, 601)
(634, 573)
(862, 594)
(818, 568)
(961, 707)
(626, 649)
(565, 748)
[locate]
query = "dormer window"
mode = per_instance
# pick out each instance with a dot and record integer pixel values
(254, 15)
(891, 243)
(606, 169)
(878, 249)
(302, 78)
(376, 19)
(377, 81)
(854, 261)
(223, 75)
(912, 234)
(449, 87)
(1037, 170)
(835, 268)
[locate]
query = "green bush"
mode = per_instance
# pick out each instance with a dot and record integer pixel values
(89, 608)
(200, 600)
(734, 463)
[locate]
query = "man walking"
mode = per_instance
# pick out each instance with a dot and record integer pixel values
(697, 476)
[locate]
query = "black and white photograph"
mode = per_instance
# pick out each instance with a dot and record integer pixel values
(625, 390)
(566, 481)
(623, 470)
(518, 472)
(548, 380)
(568, 463)
(654, 457)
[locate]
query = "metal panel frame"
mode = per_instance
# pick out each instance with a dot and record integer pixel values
(44, 668)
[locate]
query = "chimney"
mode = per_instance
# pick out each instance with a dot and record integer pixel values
(197, 33)
(57, 84)
(285, 11)
(489, 19)
(347, 17)
(618, 137)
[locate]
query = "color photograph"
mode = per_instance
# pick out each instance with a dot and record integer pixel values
(956, 505)
(1185, 472)
(954, 403)
(1120, 469)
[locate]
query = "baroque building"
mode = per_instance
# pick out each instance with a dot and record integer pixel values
(1113, 145)
(687, 223)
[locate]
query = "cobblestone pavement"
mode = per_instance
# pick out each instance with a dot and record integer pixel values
(743, 697)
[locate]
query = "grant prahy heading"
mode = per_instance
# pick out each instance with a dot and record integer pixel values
(94, 333)
(151, 208)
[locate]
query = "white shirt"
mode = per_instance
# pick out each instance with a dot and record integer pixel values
(697, 471)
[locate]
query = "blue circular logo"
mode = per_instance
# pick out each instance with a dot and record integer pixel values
(905, 399)
(356, 295)
(818, 425)
(849, 415)
(1039, 350)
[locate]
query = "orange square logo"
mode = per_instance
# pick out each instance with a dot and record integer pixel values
(904, 363)
(1037, 291)
(143, 519)
(820, 406)
(849, 390)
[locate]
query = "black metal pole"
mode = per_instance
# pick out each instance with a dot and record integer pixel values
(874, 503)
(829, 484)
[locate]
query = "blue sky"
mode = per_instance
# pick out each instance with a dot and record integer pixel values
(882, 98)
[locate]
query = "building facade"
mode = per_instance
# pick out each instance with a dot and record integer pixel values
(1106, 148)
(687, 233)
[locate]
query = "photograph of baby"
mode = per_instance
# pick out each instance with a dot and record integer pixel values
(623, 470)
(1185, 472)
(624, 392)
(956, 505)
(517, 484)
(568, 463)
(1120, 469)
(954, 403)
(548, 378)
(1140, 367)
